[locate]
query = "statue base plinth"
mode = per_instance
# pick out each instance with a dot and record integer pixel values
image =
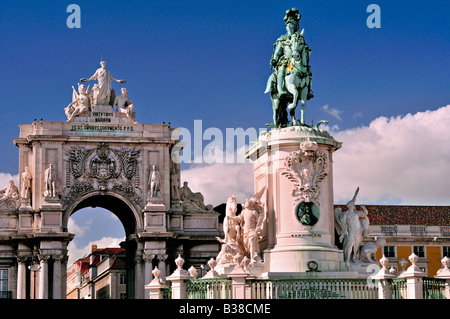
(51, 203)
(25, 206)
(292, 242)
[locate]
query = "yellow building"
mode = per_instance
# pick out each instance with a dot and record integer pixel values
(423, 230)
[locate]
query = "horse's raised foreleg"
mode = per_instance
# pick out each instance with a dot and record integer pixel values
(292, 106)
(303, 104)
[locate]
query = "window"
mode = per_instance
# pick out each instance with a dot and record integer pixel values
(446, 251)
(123, 295)
(419, 251)
(389, 251)
(123, 279)
(3, 283)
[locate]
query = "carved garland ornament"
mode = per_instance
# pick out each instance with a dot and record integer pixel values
(103, 168)
(306, 168)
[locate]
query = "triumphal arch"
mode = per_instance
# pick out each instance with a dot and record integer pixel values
(100, 157)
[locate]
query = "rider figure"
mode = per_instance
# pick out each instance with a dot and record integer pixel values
(282, 54)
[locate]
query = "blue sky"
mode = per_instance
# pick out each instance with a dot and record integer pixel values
(209, 60)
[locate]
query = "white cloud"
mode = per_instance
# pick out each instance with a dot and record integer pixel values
(76, 253)
(217, 181)
(74, 228)
(401, 160)
(6, 177)
(332, 111)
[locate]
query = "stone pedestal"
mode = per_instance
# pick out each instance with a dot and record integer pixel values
(290, 243)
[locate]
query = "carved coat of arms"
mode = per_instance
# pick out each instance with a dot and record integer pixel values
(103, 168)
(306, 168)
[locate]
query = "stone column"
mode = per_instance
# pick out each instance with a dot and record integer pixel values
(64, 276)
(34, 277)
(162, 265)
(57, 277)
(21, 277)
(43, 276)
(138, 278)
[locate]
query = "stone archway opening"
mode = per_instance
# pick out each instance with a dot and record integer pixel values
(111, 272)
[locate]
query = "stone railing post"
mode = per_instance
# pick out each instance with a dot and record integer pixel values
(156, 286)
(444, 273)
(178, 279)
(239, 286)
(382, 277)
(413, 275)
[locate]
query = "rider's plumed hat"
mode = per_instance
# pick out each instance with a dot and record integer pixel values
(292, 16)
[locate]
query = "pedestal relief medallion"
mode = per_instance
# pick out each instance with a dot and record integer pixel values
(306, 168)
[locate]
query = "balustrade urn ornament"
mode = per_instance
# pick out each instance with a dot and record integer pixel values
(193, 272)
(445, 262)
(156, 272)
(384, 262)
(179, 262)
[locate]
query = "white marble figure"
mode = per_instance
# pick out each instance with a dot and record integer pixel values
(80, 102)
(154, 183)
(93, 95)
(124, 105)
(231, 227)
(175, 185)
(104, 78)
(25, 190)
(9, 192)
(193, 202)
(50, 181)
(368, 250)
(243, 233)
(351, 225)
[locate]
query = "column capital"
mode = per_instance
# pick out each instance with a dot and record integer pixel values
(44, 257)
(162, 257)
(22, 259)
(148, 257)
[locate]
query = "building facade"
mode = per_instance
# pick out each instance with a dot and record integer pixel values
(100, 275)
(422, 230)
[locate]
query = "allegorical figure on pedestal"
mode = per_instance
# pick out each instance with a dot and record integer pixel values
(50, 181)
(193, 202)
(124, 105)
(352, 225)
(242, 232)
(175, 186)
(9, 192)
(292, 76)
(26, 178)
(154, 183)
(104, 78)
(81, 102)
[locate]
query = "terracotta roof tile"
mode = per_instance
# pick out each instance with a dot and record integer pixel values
(407, 215)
